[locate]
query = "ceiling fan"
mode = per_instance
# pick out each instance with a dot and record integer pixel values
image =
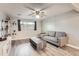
(37, 12)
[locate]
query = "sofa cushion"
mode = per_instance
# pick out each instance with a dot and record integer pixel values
(51, 33)
(60, 34)
(50, 39)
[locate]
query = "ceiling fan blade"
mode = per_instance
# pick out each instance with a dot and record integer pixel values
(48, 6)
(31, 14)
(43, 15)
(29, 7)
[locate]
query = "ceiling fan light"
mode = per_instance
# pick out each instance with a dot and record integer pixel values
(37, 16)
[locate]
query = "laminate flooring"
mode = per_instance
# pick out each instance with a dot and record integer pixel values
(23, 48)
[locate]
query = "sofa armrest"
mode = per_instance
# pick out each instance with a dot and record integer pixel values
(62, 41)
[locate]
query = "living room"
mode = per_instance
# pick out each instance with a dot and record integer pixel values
(50, 28)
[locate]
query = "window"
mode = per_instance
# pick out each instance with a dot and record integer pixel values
(27, 25)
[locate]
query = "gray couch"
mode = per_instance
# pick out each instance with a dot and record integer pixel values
(57, 38)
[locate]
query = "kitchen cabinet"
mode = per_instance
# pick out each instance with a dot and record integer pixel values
(5, 47)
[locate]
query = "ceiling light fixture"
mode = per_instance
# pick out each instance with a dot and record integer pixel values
(37, 16)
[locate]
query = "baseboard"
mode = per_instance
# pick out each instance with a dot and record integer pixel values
(73, 46)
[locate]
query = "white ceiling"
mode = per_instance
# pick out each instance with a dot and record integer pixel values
(18, 9)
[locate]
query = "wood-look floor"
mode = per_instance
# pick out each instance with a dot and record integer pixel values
(50, 50)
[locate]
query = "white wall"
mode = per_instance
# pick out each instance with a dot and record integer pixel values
(24, 33)
(67, 22)
(48, 24)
